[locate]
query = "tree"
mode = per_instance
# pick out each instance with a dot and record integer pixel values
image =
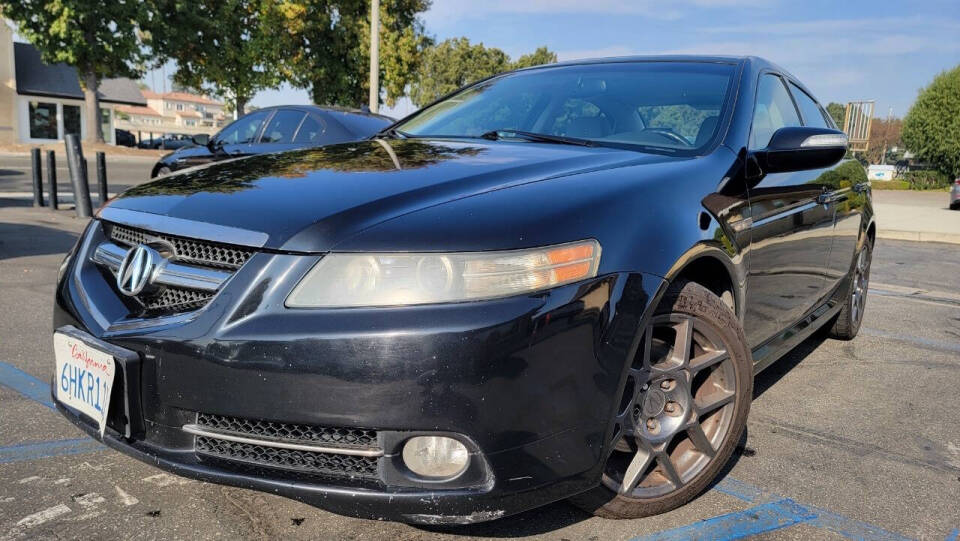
(838, 112)
(455, 63)
(884, 135)
(324, 45)
(931, 129)
(99, 39)
(220, 46)
(539, 57)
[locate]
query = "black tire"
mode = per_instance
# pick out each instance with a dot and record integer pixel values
(161, 171)
(711, 316)
(847, 324)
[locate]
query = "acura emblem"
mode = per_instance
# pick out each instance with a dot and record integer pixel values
(137, 268)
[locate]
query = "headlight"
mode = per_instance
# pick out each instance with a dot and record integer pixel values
(395, 279)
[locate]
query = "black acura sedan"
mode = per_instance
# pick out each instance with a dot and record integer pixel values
(555, 283)
(273, 129)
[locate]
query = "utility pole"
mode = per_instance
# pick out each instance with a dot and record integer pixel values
(375, 56)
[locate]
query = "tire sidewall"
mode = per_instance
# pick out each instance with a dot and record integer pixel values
(693, 300)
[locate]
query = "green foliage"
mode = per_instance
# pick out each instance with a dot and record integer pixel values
(927, 180)
(837, 112)
(898, 185)
(931, 129)
(845, 175)
(220, 46)
(681, 119)
(99, 39)
(324, 45)
(455, 63)
(537, 58)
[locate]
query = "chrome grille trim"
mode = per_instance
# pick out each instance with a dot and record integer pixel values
(198, 430)
(184, 228)
(171, 274)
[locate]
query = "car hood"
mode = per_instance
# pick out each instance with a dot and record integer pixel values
(309, 200)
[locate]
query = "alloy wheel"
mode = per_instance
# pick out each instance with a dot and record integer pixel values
(861, 281)
(677, 408)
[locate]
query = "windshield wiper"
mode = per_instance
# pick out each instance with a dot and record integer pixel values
(394, 133)
(494, 135)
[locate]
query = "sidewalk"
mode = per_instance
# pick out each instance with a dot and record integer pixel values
(916, 216)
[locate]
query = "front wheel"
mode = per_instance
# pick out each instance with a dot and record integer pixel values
(684, 407)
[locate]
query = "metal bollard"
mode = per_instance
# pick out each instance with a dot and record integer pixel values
(102, 177)
(78, 176)
(37, 177)
(52, 179)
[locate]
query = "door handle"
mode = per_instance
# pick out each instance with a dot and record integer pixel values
(861, 187)
(831, 197)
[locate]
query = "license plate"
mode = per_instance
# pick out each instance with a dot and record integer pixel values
(84, 377)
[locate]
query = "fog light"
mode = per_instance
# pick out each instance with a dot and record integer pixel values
(435, 456)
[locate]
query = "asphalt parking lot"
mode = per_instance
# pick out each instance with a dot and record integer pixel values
(856, 440)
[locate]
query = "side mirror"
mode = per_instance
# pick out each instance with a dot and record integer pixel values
(200, 139)
(799, 148)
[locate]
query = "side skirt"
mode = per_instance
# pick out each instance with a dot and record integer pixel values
(781, 344)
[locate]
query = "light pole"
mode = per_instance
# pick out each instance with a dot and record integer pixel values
(375, 56)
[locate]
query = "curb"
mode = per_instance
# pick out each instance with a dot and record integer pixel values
(918, 236)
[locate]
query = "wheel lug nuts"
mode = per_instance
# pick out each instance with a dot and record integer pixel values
(645, 387)
(666, 384)
(652, 424)
(670, 407)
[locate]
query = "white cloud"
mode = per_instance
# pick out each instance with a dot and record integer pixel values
(444, 12)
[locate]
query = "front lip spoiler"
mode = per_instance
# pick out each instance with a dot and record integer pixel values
(453, 506)
(198, 430)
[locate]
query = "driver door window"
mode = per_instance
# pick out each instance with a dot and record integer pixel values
(774, 110)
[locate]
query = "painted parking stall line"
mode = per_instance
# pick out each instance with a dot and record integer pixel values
(756, 520)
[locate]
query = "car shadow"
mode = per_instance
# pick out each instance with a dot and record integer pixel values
(766, 379)
(23, 240)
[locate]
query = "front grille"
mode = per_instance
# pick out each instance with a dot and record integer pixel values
(298, 433)
(324, 464)
(261, 454)
(190, 251)
(173, 300)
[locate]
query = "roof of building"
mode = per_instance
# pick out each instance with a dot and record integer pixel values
(35, 78)
(179, 96)
(136, 110)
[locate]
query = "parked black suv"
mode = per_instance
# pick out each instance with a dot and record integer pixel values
(273, 129)
(557, 282)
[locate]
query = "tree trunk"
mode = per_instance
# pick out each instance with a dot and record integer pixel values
(240, 105)
(94, 129)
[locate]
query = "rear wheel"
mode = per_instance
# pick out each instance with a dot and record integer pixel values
(684, 407)
(848, 321)
(161, 171)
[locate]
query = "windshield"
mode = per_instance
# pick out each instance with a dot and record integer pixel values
(670, 106)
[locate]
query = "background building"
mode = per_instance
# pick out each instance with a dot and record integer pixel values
(41, 103)
(172, 112)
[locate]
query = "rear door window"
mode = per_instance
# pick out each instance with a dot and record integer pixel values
(311, 131)
(282, 126)
(812, 115)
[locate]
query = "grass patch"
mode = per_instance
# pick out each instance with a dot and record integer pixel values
(890, 185)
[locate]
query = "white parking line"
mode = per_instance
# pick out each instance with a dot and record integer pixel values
(46, 515)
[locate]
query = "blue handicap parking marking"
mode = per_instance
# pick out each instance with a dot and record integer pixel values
(25, 384)
(47, 449)
(954, 535)
(759, 519)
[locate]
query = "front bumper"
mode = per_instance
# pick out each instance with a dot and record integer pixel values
(528, 383)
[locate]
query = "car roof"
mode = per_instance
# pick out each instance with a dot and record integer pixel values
(327, 109)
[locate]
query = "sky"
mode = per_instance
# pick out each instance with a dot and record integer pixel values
(843, 50)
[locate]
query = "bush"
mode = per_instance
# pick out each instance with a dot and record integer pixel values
(927, 180)
(931, 129)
